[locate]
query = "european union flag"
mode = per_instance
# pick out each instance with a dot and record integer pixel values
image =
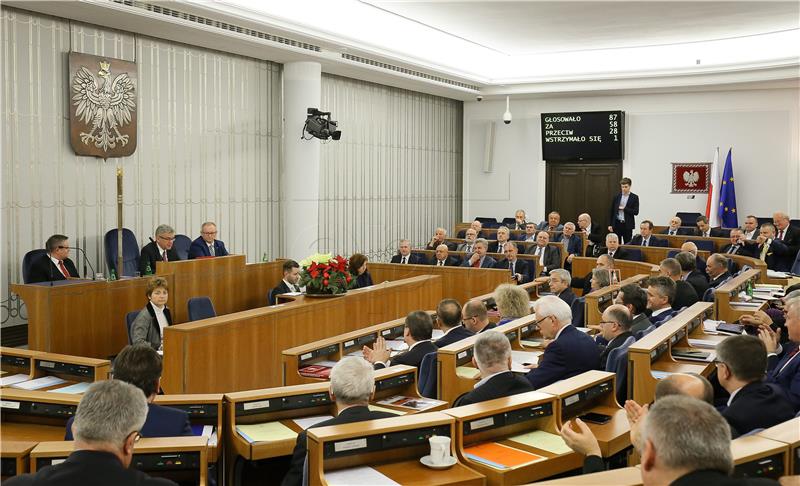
(727, 196)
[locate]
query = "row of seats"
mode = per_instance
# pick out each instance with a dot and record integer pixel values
(199, 308)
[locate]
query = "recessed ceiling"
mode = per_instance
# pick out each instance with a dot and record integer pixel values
(525, 28)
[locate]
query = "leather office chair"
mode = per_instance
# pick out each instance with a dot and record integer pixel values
(704, 245)
(129, 318)
(635, 255)
(578, 311)
(427, 381)
(200, 308)
(27, 263)
(618, 364)
(130, 252)
(271, 296)
(181, 246)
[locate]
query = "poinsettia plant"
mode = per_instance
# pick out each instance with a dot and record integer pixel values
(324, 273)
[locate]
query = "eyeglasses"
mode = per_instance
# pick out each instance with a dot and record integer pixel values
(209, 233)
(606, 322)
(542, 320)
(136, 437)
(166, 238)
(470, 317)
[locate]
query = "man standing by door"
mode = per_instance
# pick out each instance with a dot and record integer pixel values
(624, 209)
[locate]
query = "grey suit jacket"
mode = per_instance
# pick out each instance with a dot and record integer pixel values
(145, 327)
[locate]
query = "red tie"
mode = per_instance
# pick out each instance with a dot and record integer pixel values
(477, 263)
(63, 268)
(780, 235)
(165, 256)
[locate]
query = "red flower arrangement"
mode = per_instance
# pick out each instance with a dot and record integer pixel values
(325, 274)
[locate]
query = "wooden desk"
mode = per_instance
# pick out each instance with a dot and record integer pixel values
(36, 416)
(758, 264)
(654, 254)
(203, 409)
(626, 476)
(15, 457)
(177, 458)
(654, 353)
(15, 361)
(451, 384)
(726, 297)
(81, 317)
(460, 283)
(37, 364)
(393, 446)
(593, 391)
(758, 457)
(209, 356)
(500, 419)
(581, 266)
(787, 433)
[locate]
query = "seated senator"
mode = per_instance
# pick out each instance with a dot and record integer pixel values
(660, 295)
(448, 313)
(148, 327)
(784, 360)
(56, 264)
(357, 266)
(158, 250)
(492, 356)
(352, 387)
(741, 364)
(417, 335)
(559, 283)
(207, 244)
(475, 317)
(512, 302)
(106, 426)
(570, 352)
(615, 328)
(442, 257)
(141, 366)
(291, 275)
(404, 255)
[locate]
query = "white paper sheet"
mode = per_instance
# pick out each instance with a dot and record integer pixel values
(39, 383)
(13, 379)
(396, 345)
(774, 274)
(73, 389)
(702, 343)
(358, 476)
(307, 422)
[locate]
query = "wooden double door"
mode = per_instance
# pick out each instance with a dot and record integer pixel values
(575, 188)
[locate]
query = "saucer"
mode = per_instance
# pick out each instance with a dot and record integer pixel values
(426, 460)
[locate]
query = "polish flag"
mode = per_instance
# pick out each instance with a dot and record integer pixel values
(712, 203)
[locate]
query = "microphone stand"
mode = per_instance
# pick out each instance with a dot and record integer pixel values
(85, 261)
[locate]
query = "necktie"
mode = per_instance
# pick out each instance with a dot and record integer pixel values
(469, 249)
(611, 254)
(780, 235)
(732, 249)
(672, 232)
(644, 242)
(764, 249)
(211, 249)
(164, 256)
(511, 267)
(403, 261)
(63, 268)
(441, 263)
(477, 263)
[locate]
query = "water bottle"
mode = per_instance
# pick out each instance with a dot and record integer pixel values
(148, 270)
(264, 258)
(113, 275)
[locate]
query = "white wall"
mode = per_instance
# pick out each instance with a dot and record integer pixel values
(760, 125)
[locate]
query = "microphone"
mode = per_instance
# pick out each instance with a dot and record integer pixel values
(85, 260)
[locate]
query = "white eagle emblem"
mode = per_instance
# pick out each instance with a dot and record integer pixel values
(107, 107)
(690, 177)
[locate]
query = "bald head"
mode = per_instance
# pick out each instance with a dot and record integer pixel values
(690, 247)
(690, 385)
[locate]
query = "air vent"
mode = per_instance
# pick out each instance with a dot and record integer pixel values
(218, 25)
(410, 72)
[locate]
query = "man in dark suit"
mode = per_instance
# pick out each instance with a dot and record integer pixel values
(624, 209)
(158, 250)
(660, 294)
(737, 246)
(291, 275)
(448, 313)
(774, 252)
(741, 362)
(521, 271)
(613, 249)
(475, 225)
(645, 236)
(352, 387)
(55, 264)
(750, 227)
(437, 239)
(479, 258)
(520, 220)
(685, 295)
(705, 230)
(416, 334)
(702, 457)
(585, 283)
(634, 298)
(405, 257)
(107, 423)
(690, 275)
(469, 241)
(571, 242)
(530, 233)
(783, 361)
(207, 244)
(674, 228)
(570, 352)
(549, 256)
(559, 284)
(140, 365)
(503, 240)
(475, 317)
(615, 328)
(492, 356)
(787, 234)
(593, 233)
(717, 269)
(553, 223)
(699, 262)
(442, 257)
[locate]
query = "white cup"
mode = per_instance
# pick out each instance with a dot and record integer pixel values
(440, 449)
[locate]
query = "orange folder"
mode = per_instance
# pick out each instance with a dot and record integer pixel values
(500, 456)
